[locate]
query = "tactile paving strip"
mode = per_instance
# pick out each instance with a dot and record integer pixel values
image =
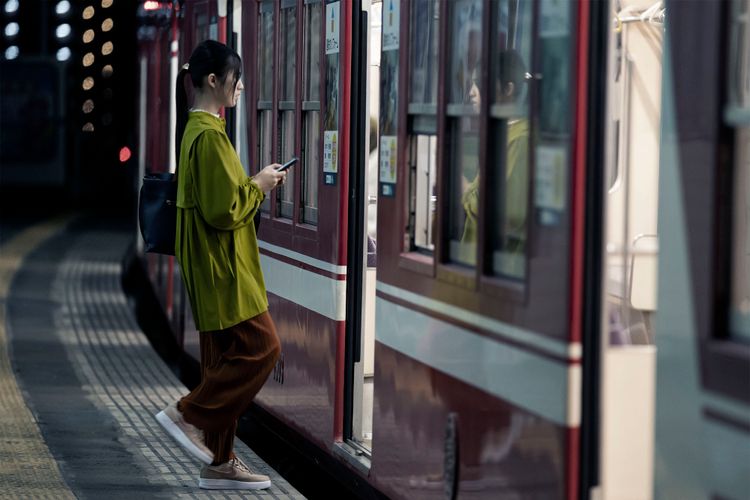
(122, 371)
(27, 469)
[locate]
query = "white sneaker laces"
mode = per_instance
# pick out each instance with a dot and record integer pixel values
(239, 464)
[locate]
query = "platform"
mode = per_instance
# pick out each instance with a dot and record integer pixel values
(79, 381)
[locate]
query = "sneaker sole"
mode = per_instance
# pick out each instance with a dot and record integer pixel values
(182, 439)
(229, 484)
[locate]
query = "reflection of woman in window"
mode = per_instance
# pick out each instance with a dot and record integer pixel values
(509, 90)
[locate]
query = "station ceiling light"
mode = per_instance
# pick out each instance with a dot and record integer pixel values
(12, 29)
(63, 31)
(11, 6)
(63, 54)
(62, 8)
(11, 52)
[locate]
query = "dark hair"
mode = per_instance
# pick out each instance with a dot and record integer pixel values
(511, 69)
(208, 57)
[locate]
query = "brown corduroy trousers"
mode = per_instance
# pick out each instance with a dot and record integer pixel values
(235, 363)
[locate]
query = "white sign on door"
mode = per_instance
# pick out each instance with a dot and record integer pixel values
(333, 16)
(330, 151)
(388, 159)
(390, 24)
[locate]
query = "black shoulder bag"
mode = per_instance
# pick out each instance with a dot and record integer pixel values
(157, 212)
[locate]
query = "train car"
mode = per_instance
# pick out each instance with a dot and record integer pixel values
(702, 429)
(463, 264)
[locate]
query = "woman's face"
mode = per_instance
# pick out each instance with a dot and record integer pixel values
(230, 91)
(225, 94)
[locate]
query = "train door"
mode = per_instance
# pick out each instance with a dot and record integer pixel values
(702, 431)
(298, 58)
(484, 263)
(359, 374)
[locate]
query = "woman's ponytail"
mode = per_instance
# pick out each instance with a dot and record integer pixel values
(182, 111)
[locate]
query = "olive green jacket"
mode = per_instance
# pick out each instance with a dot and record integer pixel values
(216, 245)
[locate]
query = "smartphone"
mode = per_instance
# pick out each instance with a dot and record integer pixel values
(286, 165)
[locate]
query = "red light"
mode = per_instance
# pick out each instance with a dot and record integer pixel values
(124, 154)
(151, 5)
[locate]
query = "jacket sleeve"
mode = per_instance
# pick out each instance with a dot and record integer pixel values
(226, 197)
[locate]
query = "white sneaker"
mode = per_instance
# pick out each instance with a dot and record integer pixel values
(188, 435)
(232, 475)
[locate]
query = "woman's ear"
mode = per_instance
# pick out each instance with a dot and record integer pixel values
(212, 80)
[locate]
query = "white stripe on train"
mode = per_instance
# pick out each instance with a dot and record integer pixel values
(543, 386)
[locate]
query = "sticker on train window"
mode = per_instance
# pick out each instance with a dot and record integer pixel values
(332, 27)
(549, 188)
(390, 25)
(330, 156)
(388, 165)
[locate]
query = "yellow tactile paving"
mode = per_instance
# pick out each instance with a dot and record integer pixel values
(27, 469)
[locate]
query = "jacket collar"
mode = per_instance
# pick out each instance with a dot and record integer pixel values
(204, 119)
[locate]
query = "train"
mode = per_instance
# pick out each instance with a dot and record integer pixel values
(513, 260)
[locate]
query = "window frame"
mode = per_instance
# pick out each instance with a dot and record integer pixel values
(550, 245)
(438, 265)
(419, 113)
(288, 232)
(284, 106)
(305, 109)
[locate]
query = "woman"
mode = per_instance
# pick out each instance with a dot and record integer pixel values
(217, 250)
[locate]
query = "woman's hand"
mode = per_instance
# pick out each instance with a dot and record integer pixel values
(269, 178)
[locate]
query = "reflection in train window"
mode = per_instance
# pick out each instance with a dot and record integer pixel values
(311, 113)
(388, 93)
(423, 71)
(464, 196)
(287, 103)
(265, 50)
(288, 51)
(311, 159)
(265, 90)
(555, 27)
(465, 43)
(464, 97)
(738, 114)
(332, 92)
(424, 52)
(422, 193)
(510, 58)
(285, 194)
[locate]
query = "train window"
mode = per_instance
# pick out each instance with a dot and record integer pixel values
(265, 89)
(464, 91)
(423, 61)
(510, 57)
(423, 198)
(311, 111)
(287, 102)
(265, 50)
(423, 65)
(738, 116)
